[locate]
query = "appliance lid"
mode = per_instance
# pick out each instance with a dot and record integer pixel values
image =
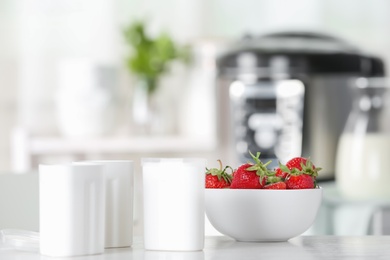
(297, 52)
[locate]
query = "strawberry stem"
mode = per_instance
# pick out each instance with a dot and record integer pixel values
(220, 165)
(260, 168)
(221, 173)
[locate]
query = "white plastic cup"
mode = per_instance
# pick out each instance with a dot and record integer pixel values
(119, 181)
(72, 203)
(173, 193)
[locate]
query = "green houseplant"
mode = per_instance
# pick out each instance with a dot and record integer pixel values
(149, 59)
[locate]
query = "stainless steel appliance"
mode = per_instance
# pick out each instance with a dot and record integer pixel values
(287, 94)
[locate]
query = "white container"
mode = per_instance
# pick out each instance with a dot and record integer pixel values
(364, 146)
(173, 192)
(71, 209)
(361, 166)
(85, 98)
(119, 181)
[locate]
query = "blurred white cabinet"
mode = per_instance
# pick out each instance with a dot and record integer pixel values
(26, 148)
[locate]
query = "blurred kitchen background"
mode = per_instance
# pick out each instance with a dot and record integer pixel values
(67, 92)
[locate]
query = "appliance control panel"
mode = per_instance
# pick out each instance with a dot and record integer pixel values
(267, 117)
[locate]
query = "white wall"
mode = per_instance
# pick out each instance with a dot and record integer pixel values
(35, 35)
(8, 78)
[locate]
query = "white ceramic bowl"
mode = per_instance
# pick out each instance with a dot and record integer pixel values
(262, 215)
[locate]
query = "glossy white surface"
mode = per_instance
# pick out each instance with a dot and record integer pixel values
(262, 215)
(299, 248)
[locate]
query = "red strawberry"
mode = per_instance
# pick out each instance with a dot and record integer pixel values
(302, 181)
(276, 186)
(275, 183)
(251, 175)
(246, 179)
(301, 173)
(218, 178)
(304, 165)
(293, 163)
(280, 173)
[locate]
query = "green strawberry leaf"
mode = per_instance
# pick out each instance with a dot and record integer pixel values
(284, 168)
(273, 179)
(260, 167)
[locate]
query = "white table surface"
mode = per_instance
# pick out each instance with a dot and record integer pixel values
(224, 248)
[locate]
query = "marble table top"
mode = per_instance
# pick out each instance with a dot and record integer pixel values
(221, 247)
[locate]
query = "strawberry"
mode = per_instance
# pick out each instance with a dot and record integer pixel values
(245, 179)
(300, 173)
(304, 165)
(218, 178)
(293, 163)
(280, 173)
(301, 181)
(274, 182)
(276, 186)
(251, 175)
